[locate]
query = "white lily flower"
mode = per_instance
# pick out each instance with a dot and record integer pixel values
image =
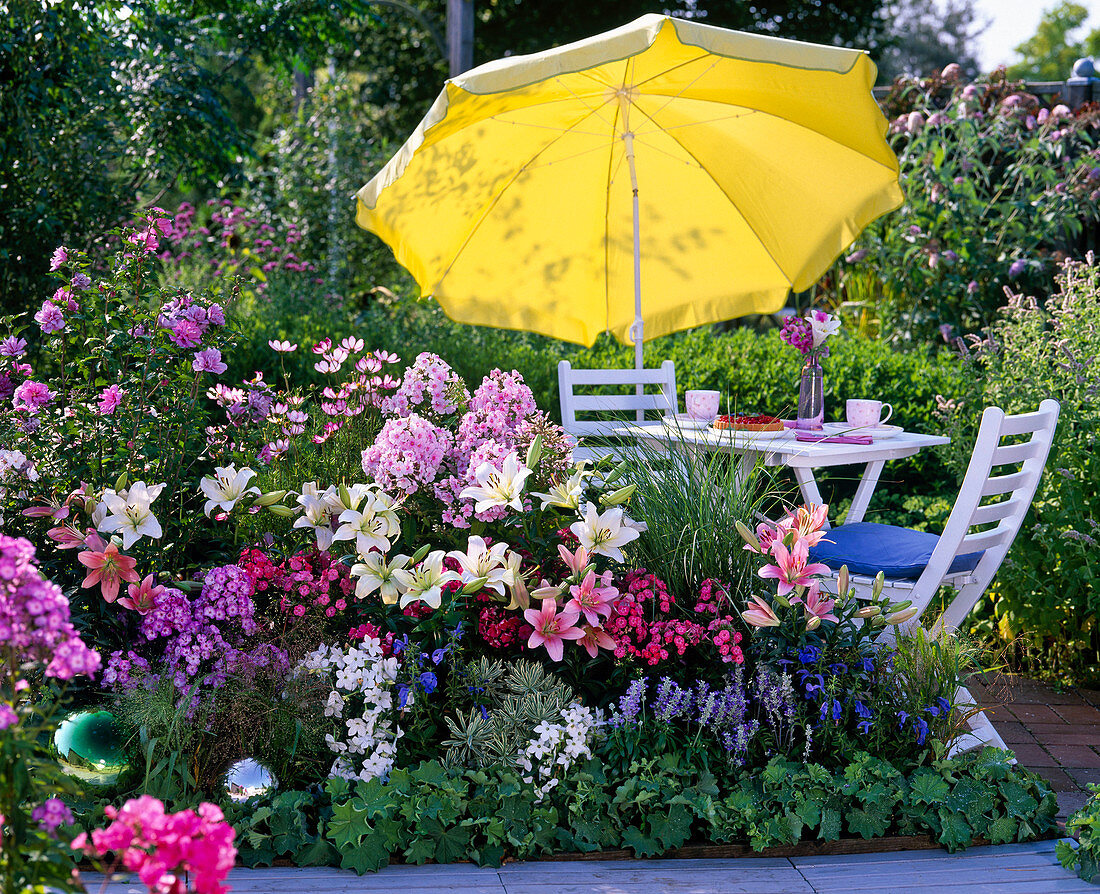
(482, 561)
(424, 583)
(565, 494)
(604, 535)
(227, 487)
(375, 573)
(498, 487)
(131, 515)
(372, 527)
(822, 325)
(317, 516)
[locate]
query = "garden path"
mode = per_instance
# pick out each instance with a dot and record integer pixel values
(1055, 732)
(1006, 869)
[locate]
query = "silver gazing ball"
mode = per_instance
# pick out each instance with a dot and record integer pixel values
(248, 778)
(1084, 68)
(90, 747)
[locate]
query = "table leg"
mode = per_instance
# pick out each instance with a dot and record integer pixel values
(866, 487)
(808, 485)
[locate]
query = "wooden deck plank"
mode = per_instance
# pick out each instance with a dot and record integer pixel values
(678, 885)
(993, 850)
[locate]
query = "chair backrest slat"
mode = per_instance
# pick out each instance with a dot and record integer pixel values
(617, 403)
(657, 376)
(978, 483)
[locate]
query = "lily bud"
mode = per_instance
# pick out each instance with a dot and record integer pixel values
(620, 496)
(271, 497)
(902, 616)
(546, 591)
(616, 473)
(842, 581)
(474, 586)
(878, 621)
(880, 582)
(534, 452)
(782, 600)
(898, 606)
(420, 554)
(121, 482)
(345, 496)
(868, 611)
(747, 535)
(282, 511)
(813, 623)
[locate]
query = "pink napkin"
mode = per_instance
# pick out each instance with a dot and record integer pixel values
(818, 438)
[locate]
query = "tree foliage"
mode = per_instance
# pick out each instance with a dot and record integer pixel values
(924, 38)
(1049, 54)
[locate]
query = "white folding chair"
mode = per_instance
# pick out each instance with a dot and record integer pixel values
(639, 392)
(987, 515)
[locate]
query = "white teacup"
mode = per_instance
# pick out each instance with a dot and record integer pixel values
(867, 413)
(701, 404)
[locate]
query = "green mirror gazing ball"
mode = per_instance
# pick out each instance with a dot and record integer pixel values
(90, 747)
(248, 778)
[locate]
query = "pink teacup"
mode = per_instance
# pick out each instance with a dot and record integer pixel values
(701, 404)
(867, 413)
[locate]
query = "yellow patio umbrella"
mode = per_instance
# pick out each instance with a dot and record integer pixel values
(717, 169)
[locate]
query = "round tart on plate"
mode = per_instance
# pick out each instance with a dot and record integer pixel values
(749, 422)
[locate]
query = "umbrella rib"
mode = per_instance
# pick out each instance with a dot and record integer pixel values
(492, 204)
(733, 204)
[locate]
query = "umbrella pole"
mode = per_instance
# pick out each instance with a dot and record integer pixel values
(637, 331)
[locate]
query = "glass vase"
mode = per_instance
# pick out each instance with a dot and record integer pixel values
(811, 396)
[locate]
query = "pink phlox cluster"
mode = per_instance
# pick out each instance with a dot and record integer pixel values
(722, 631)
(407, 454)
(52, 814)
(227, 595)
(428, 386)
(310, 579)
(8, 717)
(167, 850)
(34, 616)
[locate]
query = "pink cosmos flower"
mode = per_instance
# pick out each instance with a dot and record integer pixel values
(596, 638)
(591, 601)
(282, 347)
(109, 399)
(59, 257)
(209, 360)
(551, 629)
(142, 597)
(49, 318)
(793, 568)
(817, 604)
(759, 614)
(106, 567)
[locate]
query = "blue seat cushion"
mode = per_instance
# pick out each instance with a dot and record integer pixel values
(867, 548)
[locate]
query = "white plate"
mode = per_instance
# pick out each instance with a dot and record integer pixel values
(685, 422)
(875, 431)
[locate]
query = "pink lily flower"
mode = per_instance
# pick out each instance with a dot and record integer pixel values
(66, 537)
(816, 603)
(106, 567)
(759, 614)
(808, 522)
(591, 601)
(142, 596)
(575, 562)
(793, 568)
(551, 628)
(52, 510)
(596, 638)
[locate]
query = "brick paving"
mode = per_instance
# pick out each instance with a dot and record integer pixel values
(1053, 731)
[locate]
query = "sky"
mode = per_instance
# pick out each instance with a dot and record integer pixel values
(1014, 21)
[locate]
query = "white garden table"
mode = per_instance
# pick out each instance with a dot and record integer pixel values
(782, 448)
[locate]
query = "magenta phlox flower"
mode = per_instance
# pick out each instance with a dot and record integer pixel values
(798, 333)
(8, 717)
(13, 347)
(792, 568)
(32, 396)
(209, 360)
(429, 385)
(52, 814)
(50, 318)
